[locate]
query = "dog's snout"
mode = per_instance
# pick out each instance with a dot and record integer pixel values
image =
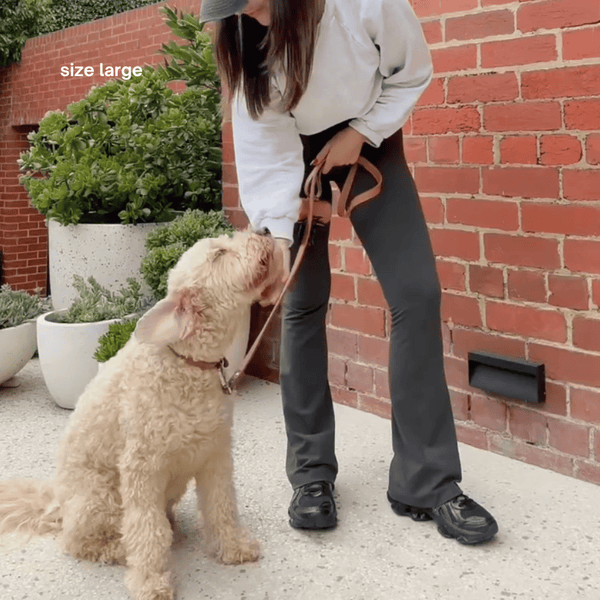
(263, 231)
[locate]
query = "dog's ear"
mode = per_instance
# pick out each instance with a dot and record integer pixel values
(170, 320)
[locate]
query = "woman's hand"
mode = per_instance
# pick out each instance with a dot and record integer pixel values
(341, 150)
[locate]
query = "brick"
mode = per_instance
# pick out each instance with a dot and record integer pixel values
(444, 149)
(585, 333)
(542, 457)
(527, 425)
(581, 43)
(456, 243)
(342, 287)
(585, 406)
(468, 340)
(570, 438)
(433, 31)
(415, 149)
(525, 51)
(460, 405)
(370, 293)
(340, 229)
(593, 148)
(483, 213)
(478, 150)
(357, 261)
(556, 14)
(456, 372)
(337, 371)
(522, 116)
(588, 471)
(524, 182)
(472, 436)
(373, 350)
(570, 82)
(382, 385)
(567, 365)
(439, 121)
(483, 88)
(452, 180)
(560, 150)
(521, 149)
(583, 115)
(526, 321)
(435, 94)
(461, 310)
(433, 209)
(522, 251)
(361, 319)
(426, 8)
(582, 256)
(487, 281)
(451, 275)
(375, 406)
(596, 292)
(564, 219)
(580, 184)
(556, 399)
(569, 292)
(343, 396)
(359, 377)
(478, 26)
(488, 412)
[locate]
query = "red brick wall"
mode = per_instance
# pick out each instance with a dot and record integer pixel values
(505, 149)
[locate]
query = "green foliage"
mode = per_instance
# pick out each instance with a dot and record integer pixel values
(132, 151)
(17, 307)
(96, 303)
(69, 13)
(166, 244)
(114, 339)
(19, 21)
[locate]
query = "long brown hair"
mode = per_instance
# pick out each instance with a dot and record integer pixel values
(287, 43)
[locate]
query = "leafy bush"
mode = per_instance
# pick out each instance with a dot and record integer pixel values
(114, 339)
(19, 21)
(96, 303)
(132, 151)
(69, 13)
(17, 307)
(166, 244)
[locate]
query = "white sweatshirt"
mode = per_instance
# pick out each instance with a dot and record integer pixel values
(371, 65)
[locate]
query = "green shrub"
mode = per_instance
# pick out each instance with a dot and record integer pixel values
(166, 244)
(96, 303)
(17, 307)
(69, 13)
(114, 339)
(132, 151)
(19, 21)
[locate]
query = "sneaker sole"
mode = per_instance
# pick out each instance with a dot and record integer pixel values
(317, 521)
(472, 539)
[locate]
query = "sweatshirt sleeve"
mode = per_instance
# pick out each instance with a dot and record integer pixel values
(405, 64)
(270, 167)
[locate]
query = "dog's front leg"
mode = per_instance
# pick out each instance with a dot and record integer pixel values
(229, 542)
(147, 534)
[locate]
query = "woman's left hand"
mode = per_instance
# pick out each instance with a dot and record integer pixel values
(341, 150)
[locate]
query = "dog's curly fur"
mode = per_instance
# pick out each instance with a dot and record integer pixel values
(150, 422)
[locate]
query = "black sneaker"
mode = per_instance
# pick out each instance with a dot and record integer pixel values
(461, 518)
(313, 506)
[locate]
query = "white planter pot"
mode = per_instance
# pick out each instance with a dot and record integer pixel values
(66, 353)
(17, 346)
(111, 253)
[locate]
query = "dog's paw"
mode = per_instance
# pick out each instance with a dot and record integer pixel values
(239, 551)
(151, 587)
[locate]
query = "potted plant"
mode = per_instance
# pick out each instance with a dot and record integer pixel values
(67, 338)
(114, 339)
(126, 157)
(18, 311)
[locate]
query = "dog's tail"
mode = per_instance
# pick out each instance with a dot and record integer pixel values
(29, 507)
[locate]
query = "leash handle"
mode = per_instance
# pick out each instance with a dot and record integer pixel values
(344, 206)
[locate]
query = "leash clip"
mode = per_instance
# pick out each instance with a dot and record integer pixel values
(226, 385)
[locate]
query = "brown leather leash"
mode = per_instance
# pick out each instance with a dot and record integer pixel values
(312, 208)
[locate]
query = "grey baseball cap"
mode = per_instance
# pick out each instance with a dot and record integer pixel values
(215, 10)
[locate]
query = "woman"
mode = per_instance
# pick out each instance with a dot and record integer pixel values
(322, 82)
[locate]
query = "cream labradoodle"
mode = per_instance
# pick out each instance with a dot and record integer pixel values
(150, 422)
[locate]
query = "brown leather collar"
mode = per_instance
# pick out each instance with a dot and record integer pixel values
(220, 365)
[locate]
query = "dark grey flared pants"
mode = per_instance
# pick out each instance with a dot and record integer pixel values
(425, 468)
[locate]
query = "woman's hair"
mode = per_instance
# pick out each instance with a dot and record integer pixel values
(287, 44)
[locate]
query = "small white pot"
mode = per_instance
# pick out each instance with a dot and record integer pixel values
(17, 346)
(66, 353)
